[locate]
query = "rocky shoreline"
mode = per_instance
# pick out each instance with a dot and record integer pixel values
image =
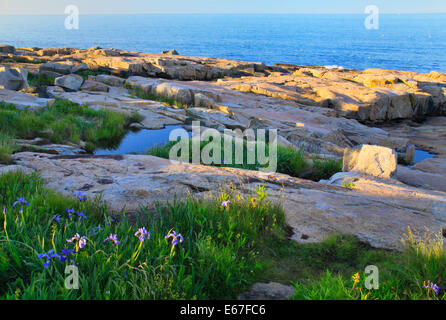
(322, 111)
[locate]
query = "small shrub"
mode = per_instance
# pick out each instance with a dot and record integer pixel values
(325, 168)
(153, 97)
(85, 73)
(65, 121)
(6, 148)
(349, 185)
(41, 80)
(291, 161)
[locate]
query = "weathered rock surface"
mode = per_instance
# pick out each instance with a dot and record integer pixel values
(60, 68)
(312, 129)
(13, 78)
(108, 80)
(6, 48)
(372, 160)
(268, 291)
(172, 52)
(372, 95)
(118, 99)
(315, 109)
(72, 82)
(377, 211)
(421, 179)
(430, 136)
(23, 100)
(90, 85)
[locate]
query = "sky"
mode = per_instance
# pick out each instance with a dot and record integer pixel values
(220, 6)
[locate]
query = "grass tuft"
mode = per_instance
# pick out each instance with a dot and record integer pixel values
(138, 92)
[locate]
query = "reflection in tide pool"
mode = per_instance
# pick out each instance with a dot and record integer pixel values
(140, 141)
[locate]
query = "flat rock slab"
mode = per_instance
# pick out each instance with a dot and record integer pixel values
(118, 99)
(377, 211)
(23, 100)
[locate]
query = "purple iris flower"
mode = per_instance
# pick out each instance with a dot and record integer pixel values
(49, 256)
(65, 254)
(142, 233)
(226, 203)
(82, 241)
(80, 196)
(56, 218)
(175, 237)
(113, 238)
(81, 216)
(20, 201)
(70, 212)
(432, 286)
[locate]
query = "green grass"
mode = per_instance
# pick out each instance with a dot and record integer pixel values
(401, 276)
(224, 251)
(341, 254)
(138, 92)
(325, 168)
(289, 161)
(40, 80)
(18, 59)
(85, 73)
(6, 148)
(216, 260)
(65, 121)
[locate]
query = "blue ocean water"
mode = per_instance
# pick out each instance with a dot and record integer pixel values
(405, 42)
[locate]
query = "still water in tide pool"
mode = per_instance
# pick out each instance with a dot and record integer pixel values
(140, 141)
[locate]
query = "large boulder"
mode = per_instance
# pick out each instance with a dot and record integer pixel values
(61, 68)
(172, 52)
(13, 78)
(6, 48)
(109, 80)
(90, 85)
(80, 67)
(372, 160)
(72, 82)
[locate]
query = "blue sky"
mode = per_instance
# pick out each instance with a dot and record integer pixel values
(220, 6)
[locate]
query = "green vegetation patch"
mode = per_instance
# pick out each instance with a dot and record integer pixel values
(40, 80)
(181, 250)
(138, 92)
(62, 122)
(415, 274)
(213, 248)
(289, 160)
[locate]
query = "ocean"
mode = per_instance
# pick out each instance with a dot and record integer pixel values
(403, 42)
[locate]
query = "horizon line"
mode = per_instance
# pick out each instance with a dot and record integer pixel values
(215, 13)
